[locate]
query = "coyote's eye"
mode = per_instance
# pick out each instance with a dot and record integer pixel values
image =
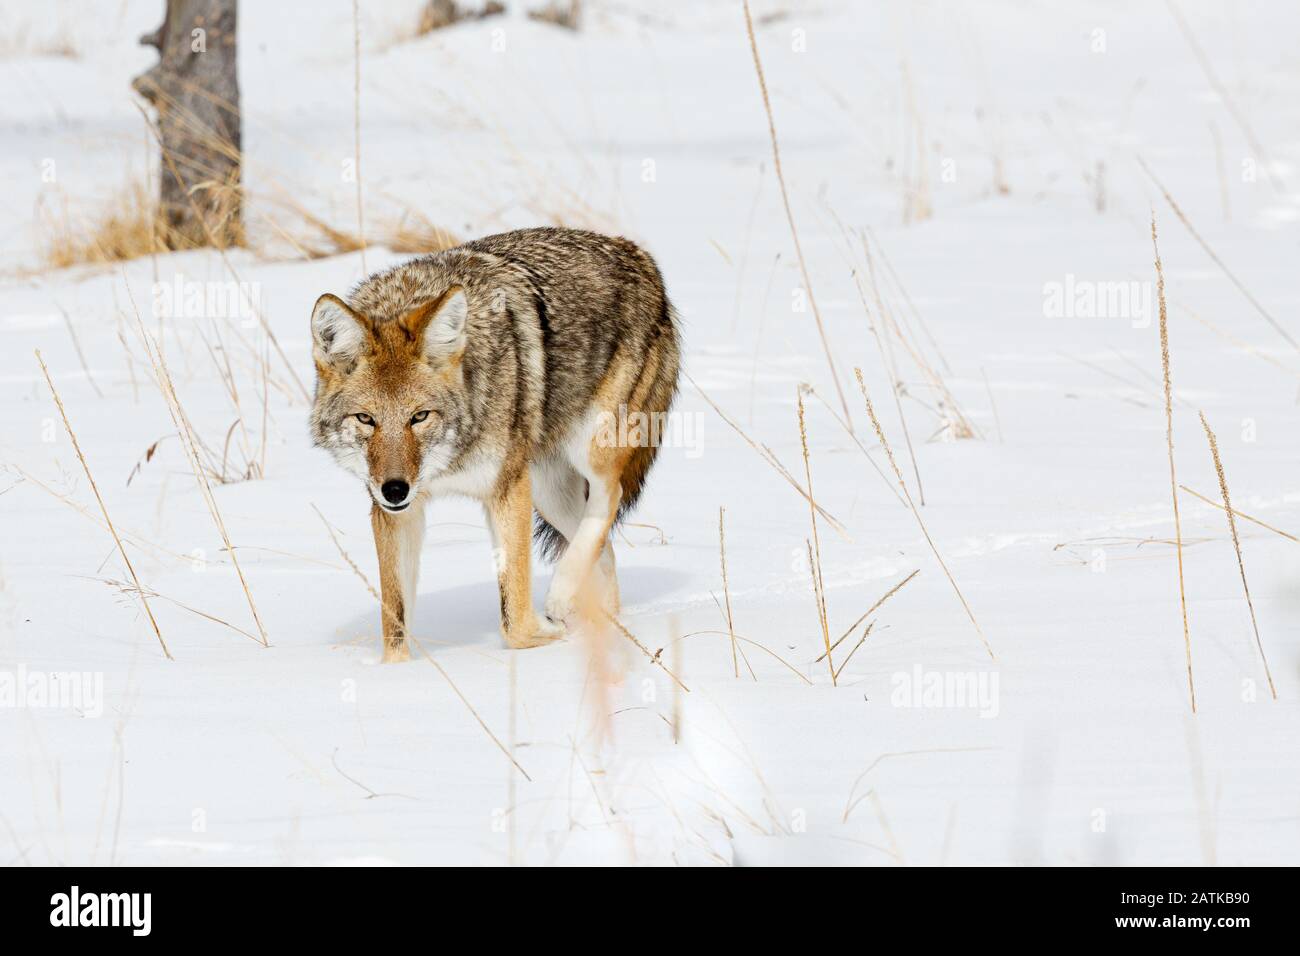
(364, 419)
(419, 417)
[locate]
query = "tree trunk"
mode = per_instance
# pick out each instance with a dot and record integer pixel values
(195, 90)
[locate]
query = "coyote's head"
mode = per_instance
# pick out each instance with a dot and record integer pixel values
(390, 395)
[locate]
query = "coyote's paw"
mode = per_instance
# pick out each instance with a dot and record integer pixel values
(561, 604)
(567, 606)
(544, 632)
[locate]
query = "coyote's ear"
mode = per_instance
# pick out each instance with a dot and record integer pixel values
(441, 323)
(337, 333)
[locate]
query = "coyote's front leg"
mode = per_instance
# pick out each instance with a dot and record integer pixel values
(397, 541)
(510, 517)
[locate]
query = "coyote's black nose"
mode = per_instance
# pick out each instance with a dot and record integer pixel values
(395, 490)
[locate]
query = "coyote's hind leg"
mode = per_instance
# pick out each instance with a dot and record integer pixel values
(561, 497)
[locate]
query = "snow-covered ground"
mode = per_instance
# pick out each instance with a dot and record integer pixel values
(1078, 746)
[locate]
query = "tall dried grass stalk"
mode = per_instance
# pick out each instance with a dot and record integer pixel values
(1222, 91)
(679, 665)
(1169, 444)
(1241, 514)
(744, 250)
(880, 434)
(845, 663)
(726, 592)
(76, 446)
(871, 610)
(895, 850)
(960, 425)
(1222, 172)
(949, 411)
(758, 339)
(770, 457)
(356, 123)
(1236, 544)
(916, 194)
(819, 588)
(907, 299)
(191, 444)
(997, 419)
(1268, 317)
(866, 452)
(789, 214)
(253, 468)
(1235, 340)
(76, 345)
(887, 357)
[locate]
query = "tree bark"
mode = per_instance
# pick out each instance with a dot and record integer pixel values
(195, 90)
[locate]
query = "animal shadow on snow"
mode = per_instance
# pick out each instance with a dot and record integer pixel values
(466, 615)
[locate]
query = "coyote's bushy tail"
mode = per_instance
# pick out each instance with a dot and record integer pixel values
(662, 359)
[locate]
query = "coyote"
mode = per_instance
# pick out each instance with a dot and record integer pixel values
(490, 370)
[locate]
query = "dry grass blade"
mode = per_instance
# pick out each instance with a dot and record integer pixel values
(819, 588)
(128, 536)
(880, 433)
(726, 592)
(954, 418)
(125, 229)
(997, 419)
(1241, 514)
(225, 260)
(127, 587)
(1277, 326)
(356, 123)
(848, 807)
(766, 650)
(871, 610)
(418, 646)
(191, 444)
(1236, 544)
(861, 447)
(1222, 92)
(655, 658)
(76, 344)
(907, 299)
(768, 456)
(76, 446)
(789, 214)
(845, 663)
(1169, 443)
(887, 357)
(1236, 341)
